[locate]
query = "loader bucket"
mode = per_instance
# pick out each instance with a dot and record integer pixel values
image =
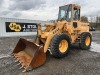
(29, 54)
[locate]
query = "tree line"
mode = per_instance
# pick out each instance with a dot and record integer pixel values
(94, 21)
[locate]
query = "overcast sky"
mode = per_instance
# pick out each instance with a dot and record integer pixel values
(44, 9)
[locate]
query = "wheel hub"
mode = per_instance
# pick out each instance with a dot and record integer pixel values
(63, 46)
(87, 41)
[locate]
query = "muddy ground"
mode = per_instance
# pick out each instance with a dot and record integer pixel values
(78, 62)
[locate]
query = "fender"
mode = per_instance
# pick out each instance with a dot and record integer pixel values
(56, 31)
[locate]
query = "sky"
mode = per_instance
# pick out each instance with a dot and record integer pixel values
(45, 9)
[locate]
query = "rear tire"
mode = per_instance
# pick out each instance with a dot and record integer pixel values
(60, 45)
(85, 41)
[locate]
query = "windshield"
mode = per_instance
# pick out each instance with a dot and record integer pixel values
(65, 13)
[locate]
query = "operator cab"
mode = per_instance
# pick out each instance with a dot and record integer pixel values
(69, 13)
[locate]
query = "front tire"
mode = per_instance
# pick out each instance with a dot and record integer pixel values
(60, 45)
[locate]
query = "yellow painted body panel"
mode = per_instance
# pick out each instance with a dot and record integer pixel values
(62, 27)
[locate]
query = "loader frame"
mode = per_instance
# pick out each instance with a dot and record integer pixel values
(56, 37)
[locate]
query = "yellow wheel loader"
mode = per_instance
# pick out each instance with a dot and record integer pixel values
(56, 38)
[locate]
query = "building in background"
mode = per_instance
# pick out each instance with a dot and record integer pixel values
(10, 27)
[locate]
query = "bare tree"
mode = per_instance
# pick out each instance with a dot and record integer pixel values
(99, 19)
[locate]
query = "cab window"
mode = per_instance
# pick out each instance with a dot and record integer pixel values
(76, 14)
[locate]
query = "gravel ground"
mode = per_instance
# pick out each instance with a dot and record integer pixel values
(78, 62)
(96, 36)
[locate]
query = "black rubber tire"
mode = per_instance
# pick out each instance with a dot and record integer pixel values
(54, 46)
(83, 37)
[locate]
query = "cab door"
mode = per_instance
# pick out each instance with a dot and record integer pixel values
(76, 17)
